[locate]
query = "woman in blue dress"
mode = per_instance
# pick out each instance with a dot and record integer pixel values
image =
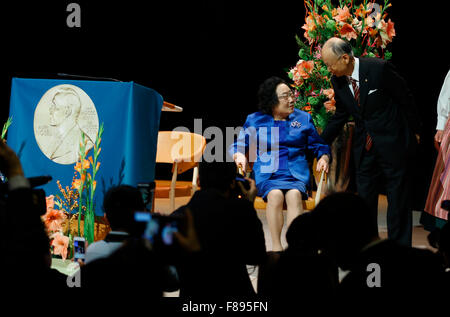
(276, 140)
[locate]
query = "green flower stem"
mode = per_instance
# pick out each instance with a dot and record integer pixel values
(80, 189)
(6, 127)
(90, 214)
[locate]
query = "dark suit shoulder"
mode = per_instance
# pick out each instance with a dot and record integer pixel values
(373, 61)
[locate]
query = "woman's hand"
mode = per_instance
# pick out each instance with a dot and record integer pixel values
(322, 163)
(241, 161)
(438, 136)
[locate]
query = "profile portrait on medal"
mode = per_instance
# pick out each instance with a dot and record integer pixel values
(62, 114)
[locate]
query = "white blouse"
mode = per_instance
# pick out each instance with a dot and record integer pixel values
(443, 105)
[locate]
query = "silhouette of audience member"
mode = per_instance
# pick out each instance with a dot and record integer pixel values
(133, 268)
(25, 246)
(301, 270)
(345, 233)
(229, 232)
(124, 258)
(119, 203)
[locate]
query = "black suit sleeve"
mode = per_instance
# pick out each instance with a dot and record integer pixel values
(337, 121)
(397, 88)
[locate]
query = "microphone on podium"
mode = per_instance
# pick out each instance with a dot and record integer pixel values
(87, 77)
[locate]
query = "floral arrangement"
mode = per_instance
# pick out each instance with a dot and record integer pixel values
(87, 184)
(80, 195)
(363, 25)
(74, 202)
(53, 220)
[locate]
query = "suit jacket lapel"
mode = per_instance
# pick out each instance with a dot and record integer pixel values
(363, 82)
(346, 94)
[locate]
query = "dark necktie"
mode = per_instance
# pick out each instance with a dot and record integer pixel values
(356, 94)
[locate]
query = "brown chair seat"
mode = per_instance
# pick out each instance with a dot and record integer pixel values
(182, 188)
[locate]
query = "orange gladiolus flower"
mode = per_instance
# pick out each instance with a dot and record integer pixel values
(86, 165)
(348, 32)
(361, 12)
(60, 244)
(342, 14)
(77, 182)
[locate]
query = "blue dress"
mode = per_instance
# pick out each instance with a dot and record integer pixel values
(282, 179)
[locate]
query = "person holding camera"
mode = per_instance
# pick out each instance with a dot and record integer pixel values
(229, 232)
(277, 139)
(120, 203)
(23, 239)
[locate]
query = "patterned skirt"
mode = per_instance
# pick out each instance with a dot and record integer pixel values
(440, 183)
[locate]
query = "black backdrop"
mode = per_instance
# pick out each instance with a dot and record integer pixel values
(207, 56)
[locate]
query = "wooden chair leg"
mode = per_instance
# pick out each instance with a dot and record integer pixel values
(172, 186)
(194, 180)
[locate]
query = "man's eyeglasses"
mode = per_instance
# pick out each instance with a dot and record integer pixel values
(287, 95)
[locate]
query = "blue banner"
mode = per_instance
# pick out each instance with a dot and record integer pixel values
(49, 116)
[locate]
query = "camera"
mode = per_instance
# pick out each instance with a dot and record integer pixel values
(239, 178)
(237, 192)
(37, 195)
(156, 228)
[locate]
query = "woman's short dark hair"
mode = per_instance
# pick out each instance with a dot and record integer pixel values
(267, 95)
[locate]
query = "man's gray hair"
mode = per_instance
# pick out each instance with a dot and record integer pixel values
(340, 47)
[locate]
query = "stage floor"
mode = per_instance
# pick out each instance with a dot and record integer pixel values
(419, 234)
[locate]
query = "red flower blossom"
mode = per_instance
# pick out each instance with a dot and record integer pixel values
(348, 32)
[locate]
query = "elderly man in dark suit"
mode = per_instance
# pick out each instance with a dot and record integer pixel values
(387, 125)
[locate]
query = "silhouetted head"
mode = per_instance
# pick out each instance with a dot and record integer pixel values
(303, 234)
(120, 203)
(217, 175)
(344, 226)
